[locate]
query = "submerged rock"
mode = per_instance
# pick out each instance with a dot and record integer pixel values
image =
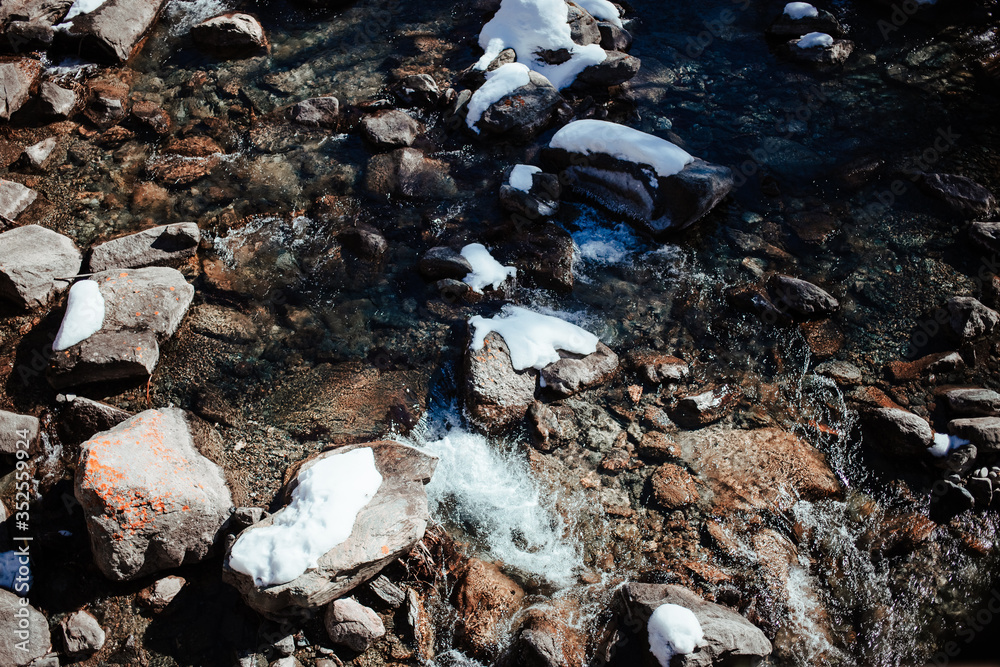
(408, 173)
(151, 500)
(674, 487)
(802, 298)
(387, 527)
(230, 33)
(317, 112)
(166, 245)
(963, 195)
(391, 129)
(34, 265)
(657, 367)
(486, 600)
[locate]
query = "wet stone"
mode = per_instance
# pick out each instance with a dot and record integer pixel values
(963, 195)
(34, 263)
(317, 112)
(391, 129)
(841, 372)
(444, 262)
(230, 33)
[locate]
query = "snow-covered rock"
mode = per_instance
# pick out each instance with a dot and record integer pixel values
(109, 31)
(818, 48)
(647, 180)
(522, 177)
(34, 265)
(801, 18)
(534, 339)
(673, 630)
(814, 40)
(385, 527)
(514, 102)
(84, 315)
(486, 271)
(530, 192)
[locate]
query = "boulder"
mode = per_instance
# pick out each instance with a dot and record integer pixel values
(802, 298)
(166, 245)
(350, 623)
(18, 77)
(34, 263)
(656, 204)
(18, 432)
(83, 417)
(14, 198)
(391, 129)
(969, 318)
(983, 432)
(408, 173)
(656, 367)
(728, 637)
(486, 600)
(81, 633)
(963, 195)
(230, 33)
(583, 28)
(974, 402)
(56, 102)
(614, 38)
(576, 372)
(897, 432)
(24, 631)
(317, 112)
(150, 499)
(616, 69)
(496, 395)
(444, 262)
(113, 32)
(106, 356)
(786, 27)
(387, 527)
(524, 112)
(819, 56)
(841, 372)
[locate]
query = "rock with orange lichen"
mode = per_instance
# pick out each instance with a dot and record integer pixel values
(151, 500)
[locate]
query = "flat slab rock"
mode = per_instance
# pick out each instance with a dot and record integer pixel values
(32, 260)
(386, 528)
(14, 198)
(728, 636)
(16, 429)
(166, 245)
(574, 373)
(150, 499)
(113, 32)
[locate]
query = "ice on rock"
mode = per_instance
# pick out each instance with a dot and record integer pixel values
(530, 26)
(485, 269)
(501, 82)
(84, 315)
(521, 177)
(944, 444)
(673, 630)
(800, 10)
(601, 10)
(532, 338)
(321, 515)
(814, 39)
(591, 136)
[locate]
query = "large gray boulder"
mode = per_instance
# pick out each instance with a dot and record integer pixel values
(729, 638)
(522, 113)
(897, 432)
(17, 78)
(614, 70)
(983, 432)
(230, 33)
(106, 356)
(14, 198)
(24, 631)
(150, 499)
(32, 262)
(974, 402)
(575, 372)
(166, 245)
(392, 522)
(113, 32)
(496, 395)
(969, 318)
(18, 432)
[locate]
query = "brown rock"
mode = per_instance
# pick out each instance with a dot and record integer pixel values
(17, 79)
(194, 146)
(657, 446)
(657, 367)
(674, 487)
(486, 600)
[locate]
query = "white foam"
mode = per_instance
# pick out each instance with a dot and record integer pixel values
(533, 338)
(80, 7)
(591, 137)
(84, 315)
(673, 630)
(321, 515)
(521, 176)
(800, 10)
(601, 9)
(486, 271)
(813, 40)
(501, 82)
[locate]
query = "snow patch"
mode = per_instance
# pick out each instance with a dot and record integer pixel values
(321, 515)
(84, 315)
(945, 444)
(501, 82)
(673, 630)
(800, 10)
(485, 269)
(591, 137)
(80, 7)
(521, 176)
(182, 15)
(533, 338)
(601, 10)
(813, 40)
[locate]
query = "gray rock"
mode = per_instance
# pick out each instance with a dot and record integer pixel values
(960, 461)
(897, 432)
(986, 234)
(963, 195)
(230, 32)
(352, 624)
(496, 395)
(974, 402)
(364, 241)
(81, 633)
(386, 528)
(820, 56)
(388, 592)
(84, 417)
(36, 155)
(969, 318)
(540, 201)
(161, 593)
(166, 245)
(27, 36)
(951, 500)
(113, 32)
(635, 192)
(244, 517)
(17, 78)
(106, 356)
(583, 28)
(223, 324)
(729, 638)
(801, 297)
(418, 90)
(284, 646)
(14, 635)
(444, 262)
(150, 499)
(574, 373)
(317, 112)
(524, 112)
(287, 661)
(18, 432)
(841, 372)
(391, 129)
(32, 259)
(614, 38)
(14, 198)
(408, 173)
(147, 299)
(983, 432)
(980, 489)
(56, 102)
(616, 69)
(787, 27)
